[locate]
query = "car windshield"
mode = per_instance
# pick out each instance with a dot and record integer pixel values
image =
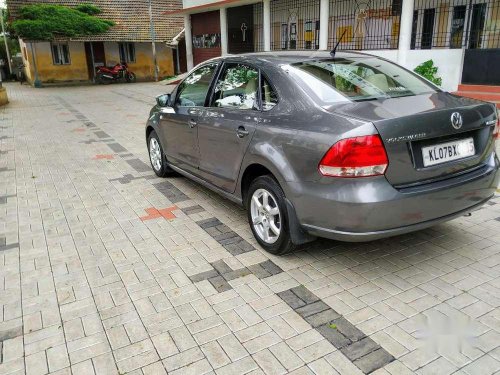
(357, 79)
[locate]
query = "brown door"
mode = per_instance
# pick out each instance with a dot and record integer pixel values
(94, 53)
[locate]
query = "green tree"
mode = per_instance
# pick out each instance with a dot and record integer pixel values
(45, 22)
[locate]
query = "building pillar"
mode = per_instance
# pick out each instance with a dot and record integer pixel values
(189, 41)
(405, 28)
(223, 31)
(266, 20)
(324, 16)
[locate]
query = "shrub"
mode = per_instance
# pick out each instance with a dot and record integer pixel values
(44, 22)
(89, 9)
(428, 71)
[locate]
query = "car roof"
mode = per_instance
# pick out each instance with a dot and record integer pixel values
(290, 57)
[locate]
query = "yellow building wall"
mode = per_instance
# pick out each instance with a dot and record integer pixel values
(143, 66)
(27, 59)
(49, 72)
(77, 70)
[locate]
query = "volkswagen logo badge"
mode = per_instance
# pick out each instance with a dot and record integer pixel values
(456, 120)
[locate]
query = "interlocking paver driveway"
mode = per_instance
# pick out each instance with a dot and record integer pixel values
(107, 269)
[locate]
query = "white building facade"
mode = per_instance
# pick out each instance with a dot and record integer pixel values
(462, 37)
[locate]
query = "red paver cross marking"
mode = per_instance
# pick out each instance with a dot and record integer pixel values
(103, 156)
(153, 213)
(79, 130)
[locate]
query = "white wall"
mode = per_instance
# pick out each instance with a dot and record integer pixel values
(194, 3)
(448, 61)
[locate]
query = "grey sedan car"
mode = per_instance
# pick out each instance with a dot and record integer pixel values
(350, 147)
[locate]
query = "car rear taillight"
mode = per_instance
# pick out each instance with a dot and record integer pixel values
(355, 157)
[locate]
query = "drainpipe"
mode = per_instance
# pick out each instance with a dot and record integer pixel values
(36, 83)
(153, 46)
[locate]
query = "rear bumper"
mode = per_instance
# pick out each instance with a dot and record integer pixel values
(366, 209)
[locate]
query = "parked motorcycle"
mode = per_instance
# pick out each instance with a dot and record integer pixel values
(119, 72)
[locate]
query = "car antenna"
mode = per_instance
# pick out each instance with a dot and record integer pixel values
(332, 52)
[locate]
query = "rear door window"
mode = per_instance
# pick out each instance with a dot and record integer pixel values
(237, 87)
(268, 95)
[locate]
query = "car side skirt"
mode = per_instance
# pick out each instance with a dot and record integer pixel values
(208, 185)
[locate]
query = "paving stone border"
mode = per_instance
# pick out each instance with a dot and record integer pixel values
(224, 235)
(361, 350)
(222, 273)
(172, 193)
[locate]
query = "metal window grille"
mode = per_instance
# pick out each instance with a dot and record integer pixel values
(294, 24)
(258, 29)
(368, 24)
(456, 24)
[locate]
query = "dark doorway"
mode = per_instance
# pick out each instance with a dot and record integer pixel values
(94, 54)
(240, 29)
(481, 66)
(182, 56)
(477, 25)
(428, 28)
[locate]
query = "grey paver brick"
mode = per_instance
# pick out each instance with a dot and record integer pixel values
(323, 317)
(360, 348)
(333, 336)
(373, 360)
(291, 299)
(312, 309)
(304, 294)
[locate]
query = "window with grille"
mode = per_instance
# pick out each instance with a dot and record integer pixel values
(60, 53)
(127, 52)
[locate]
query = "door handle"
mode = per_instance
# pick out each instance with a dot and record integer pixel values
(242, 132)
(192, 123)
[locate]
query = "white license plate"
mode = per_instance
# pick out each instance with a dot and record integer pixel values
(448, 151)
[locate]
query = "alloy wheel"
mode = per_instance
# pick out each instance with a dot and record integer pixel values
(266, 216)
(155, 154)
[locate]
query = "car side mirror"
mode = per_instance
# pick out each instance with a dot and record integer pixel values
(163, 100)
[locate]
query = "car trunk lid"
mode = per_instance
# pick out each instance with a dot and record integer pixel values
(411, 126)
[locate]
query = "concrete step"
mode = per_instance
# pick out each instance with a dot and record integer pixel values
(479, 88)
(487, 97)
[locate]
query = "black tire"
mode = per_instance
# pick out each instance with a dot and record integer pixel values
(283, 244)
(98, 79)
(130, 77)
(163, 170)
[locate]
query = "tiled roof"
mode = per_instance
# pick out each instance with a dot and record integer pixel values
(131, 18)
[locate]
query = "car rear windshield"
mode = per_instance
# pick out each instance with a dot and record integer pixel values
(357, 79)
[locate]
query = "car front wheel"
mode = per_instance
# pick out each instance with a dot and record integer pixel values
(267, 215)
(157, 157)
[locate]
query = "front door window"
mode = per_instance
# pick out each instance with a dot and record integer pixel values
(193, 90)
